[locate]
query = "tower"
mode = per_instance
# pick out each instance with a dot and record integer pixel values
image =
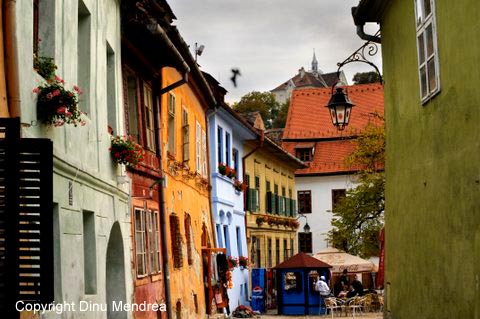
(314, 63)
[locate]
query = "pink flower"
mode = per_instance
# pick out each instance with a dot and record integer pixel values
(36, 90)
(77, 89)
(49, 96)
(68, 114)
(82, 122)
(56, 93)
(62, 110)
(59, 79)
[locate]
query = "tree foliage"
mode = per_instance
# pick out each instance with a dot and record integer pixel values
(366, 77)
(265, 103)
(281, 119)
(359, 216)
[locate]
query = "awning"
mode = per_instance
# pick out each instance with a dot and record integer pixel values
(340, 260)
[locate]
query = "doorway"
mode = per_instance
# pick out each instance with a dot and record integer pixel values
(115, 275)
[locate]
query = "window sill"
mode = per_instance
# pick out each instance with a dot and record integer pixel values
(223, 177)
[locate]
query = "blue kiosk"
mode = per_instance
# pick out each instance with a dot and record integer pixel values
(296, 279)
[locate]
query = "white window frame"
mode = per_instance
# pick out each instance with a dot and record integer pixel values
(149, 121)
(185, 136)
(153, 242)
(421, 26)
(198, 147)
(204, 153)
(140, 243)
(171, 120)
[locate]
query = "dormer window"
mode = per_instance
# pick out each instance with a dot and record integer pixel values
(304, 151)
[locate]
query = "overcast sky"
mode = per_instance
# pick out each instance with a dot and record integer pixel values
(269, 40)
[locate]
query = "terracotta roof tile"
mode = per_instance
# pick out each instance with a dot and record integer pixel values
(308, 120)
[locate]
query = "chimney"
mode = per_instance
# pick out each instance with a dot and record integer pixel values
(301, 72)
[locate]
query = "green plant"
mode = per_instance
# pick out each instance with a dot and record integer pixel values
(238, 185)
(243, 261)
(56, 105)
(44, 66)
(125, 151)
(260, 220)
(232, 262)
(222, 168)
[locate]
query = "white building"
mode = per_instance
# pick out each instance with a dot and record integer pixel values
(310, 135)
(91, 231)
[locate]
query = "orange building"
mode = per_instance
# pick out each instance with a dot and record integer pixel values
(186, 183)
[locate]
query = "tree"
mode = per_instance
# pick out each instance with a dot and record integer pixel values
(359, 216)
(281, 119)
(366, 77)
(264, 102)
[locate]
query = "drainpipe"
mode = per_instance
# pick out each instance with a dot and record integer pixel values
(11, 59)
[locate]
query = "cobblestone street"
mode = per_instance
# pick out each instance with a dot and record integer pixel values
(376, 315)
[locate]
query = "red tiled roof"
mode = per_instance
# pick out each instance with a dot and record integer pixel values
(308, 117)
(302, 260)
(308, 120)
(328, 157)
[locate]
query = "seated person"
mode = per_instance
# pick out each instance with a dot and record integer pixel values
(357, 285)
(344, 292)
(351, 292)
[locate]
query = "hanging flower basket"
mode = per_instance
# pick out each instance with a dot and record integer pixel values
(56, 105)
(230, 172)
(125, 151)
(232, 262)
(243, 261)
(260, 220)
(238, 185)
(222, 168)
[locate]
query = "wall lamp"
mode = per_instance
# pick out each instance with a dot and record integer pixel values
(306, 228)
(339, 105)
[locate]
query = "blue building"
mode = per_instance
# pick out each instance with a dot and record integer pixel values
(227, 134)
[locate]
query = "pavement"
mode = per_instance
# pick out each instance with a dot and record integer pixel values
(369, 315)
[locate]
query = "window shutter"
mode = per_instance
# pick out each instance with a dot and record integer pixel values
(26, 248)
(294, 208)
(248, 196)
(287, 206)
(186, 143)
(269, 202)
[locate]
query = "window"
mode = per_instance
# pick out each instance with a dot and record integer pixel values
(189, 238)
(176, 241)
(185, 136)
(111, 92)
(219, 235)
(256, 251)
(198, 147)
(292, 281)
(305, 242)
(227, 148)
(277, 251)
(235, 160)
(304, 202)
(285, 250)
(131, 99)
(428, 65)
(204, 153)
(140, 243)
(89, 253)
(269, 253)
(148, 116)
(239, 241)
(226, 239)
(220, 144)
(171, 124)
(337, 196)
(276, 204)
(304, 154)
(36, 24)
(154, 242)
(292, 247)
(257, 193)
(147, 242)
(84, 56)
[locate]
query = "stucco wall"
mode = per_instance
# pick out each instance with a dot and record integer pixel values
(85, 178)
(432, 166)
(185, 195)
(320, 218)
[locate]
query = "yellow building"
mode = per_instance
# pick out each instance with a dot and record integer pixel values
(187, 188)
(270, 201)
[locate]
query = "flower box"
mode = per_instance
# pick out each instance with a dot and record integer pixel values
(125, 151)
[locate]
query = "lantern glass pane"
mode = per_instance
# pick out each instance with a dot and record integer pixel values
(348, 111)
(333, 116)
(341, 114)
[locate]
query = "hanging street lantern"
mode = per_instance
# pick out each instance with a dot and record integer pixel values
(306, 228)
(340, 108)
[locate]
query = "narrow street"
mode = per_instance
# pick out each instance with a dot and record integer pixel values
(376, 315)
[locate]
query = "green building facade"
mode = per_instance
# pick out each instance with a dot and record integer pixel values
(433, 155)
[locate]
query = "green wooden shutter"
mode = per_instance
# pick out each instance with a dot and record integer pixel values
(269, 202)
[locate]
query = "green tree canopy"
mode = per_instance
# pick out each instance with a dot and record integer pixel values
(359, 216)
(366, 77)
(264, 102)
